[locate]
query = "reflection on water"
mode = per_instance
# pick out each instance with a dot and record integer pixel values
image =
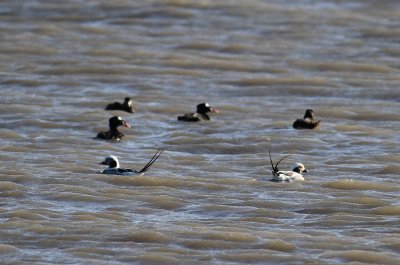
(207, 200)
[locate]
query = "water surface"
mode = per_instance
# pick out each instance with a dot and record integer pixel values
(208, 199)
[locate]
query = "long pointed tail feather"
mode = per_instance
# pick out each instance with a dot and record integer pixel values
(272, 163)
(276, 166)
(275, 169)
(152, 160)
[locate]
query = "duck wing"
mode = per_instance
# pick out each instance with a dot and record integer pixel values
(114, 106)
(106, 135)
(191, 117)
(305, 124)
(110, 135)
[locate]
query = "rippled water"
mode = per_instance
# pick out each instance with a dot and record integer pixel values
(207, 200)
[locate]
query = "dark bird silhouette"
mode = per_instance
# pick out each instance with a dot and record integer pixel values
(126, 106)
(201, 113)
(113, 133)
(308, 122)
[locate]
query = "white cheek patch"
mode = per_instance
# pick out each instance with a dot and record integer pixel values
(207, 105)
(119, 118)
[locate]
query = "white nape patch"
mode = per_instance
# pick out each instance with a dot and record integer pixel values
(130, 103)
(112, 157)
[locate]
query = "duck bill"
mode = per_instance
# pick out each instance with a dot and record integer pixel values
(214, 110)
(103, 163)
(126, 125)
(305, 170)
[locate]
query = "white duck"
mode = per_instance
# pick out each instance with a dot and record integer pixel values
(294, 174)
(113, 166)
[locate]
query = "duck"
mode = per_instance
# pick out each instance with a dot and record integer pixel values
(126, 106)
(201, 113)
(308, 122)
(294, 174)
(113, 133)
(114, 167)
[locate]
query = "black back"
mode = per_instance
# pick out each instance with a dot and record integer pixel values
(305, 124)
(110, 135)
(124, 106)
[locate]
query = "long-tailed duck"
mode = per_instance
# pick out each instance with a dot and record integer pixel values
(282, 176)
(113, 133)
(126, 106)
(308, 122)
(113, 166)
(200, 114)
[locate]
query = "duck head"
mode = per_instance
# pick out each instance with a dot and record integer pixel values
(298, 167)
(204, 108)
(111, 161)
(117, 121)
(128, 102)
(309, 114)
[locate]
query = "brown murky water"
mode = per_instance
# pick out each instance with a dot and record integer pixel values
(207, 200)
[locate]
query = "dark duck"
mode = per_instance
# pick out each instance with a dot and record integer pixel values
(113, 133)
(201, 113)
(126, 106)
(308, 122)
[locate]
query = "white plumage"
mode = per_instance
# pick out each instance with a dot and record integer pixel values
(286, 176)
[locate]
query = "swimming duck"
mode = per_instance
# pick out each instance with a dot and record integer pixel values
(113, 166)
(113, 133)
(308, 122)
(282, 176)
(126, 106)
(200, 114)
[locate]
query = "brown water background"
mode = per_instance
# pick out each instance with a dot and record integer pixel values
(207, 200)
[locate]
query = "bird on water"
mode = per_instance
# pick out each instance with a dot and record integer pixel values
(114, 167)
(308, 122)
(113, 133)
(294, 174)
(201, 113)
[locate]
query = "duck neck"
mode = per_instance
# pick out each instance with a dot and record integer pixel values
(204, 116)
(309, 115)
(114, 129)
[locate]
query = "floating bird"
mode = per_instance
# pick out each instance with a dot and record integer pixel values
(308, 122)
(200, 114)
(126, 106)
(282, 176)
(113, 166)
(113, 133)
